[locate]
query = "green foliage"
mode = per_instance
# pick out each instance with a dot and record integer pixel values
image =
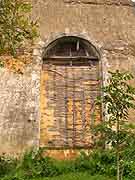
(35, 165)
(97, 162)
(128, 155)
(116, 131)
(6, 165)
(15, 25)
(118, 98)
(77, 176)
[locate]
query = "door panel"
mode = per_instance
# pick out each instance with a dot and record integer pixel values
(68, 94)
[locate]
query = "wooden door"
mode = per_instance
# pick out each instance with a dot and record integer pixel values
(68, 93)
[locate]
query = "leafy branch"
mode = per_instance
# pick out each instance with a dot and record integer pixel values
(15, 25)
(118, 99)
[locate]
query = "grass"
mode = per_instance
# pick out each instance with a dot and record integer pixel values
(76, 176)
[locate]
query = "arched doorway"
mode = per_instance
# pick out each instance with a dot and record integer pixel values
(69, 86)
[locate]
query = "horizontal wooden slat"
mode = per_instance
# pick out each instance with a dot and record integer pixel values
(73, 61)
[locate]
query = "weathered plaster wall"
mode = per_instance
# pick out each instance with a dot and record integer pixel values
(108, 24)
(19, 112)
(100, 21)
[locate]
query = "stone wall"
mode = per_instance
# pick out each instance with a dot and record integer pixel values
(109, 25)
(19, 110)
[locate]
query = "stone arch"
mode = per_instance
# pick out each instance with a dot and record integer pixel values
(43, 44)
(38, 62)
(50, 111)
(73, 39)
